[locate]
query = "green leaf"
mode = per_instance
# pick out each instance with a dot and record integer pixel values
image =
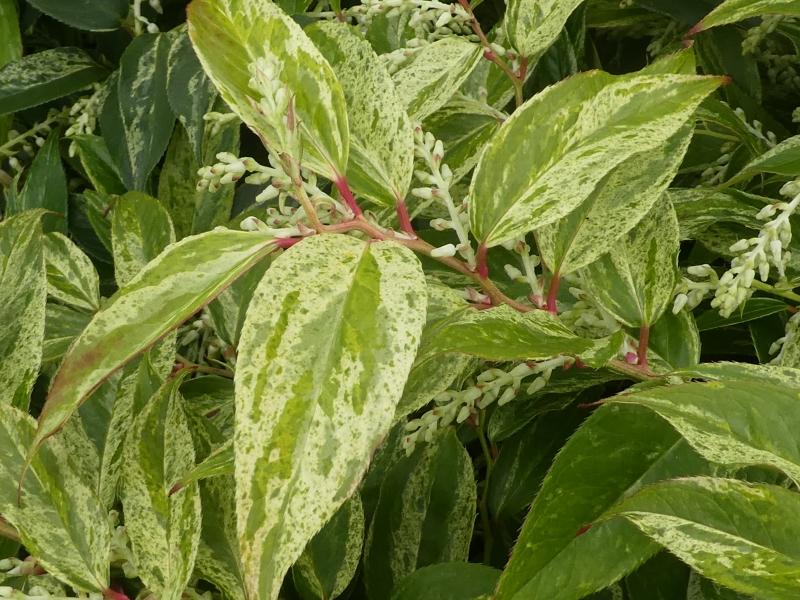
(45, 76)
(231, 38)
(755, 308)
(424, 515)
(732, 422)
(741, 535)
(219, 462)
(612, 454)
(10, 48)
(164, 529)
(23, 292)
(448, 581)
(663, 577)
(502, 333)
(433, 73)
(137, 119)
(782, 159)
(45, 187)
(97, 163)
(330, 559)
(620, 200)
(140, 230)
(169, 290)
(532, 25)
(92, 15)
(732, 11)
(189, 90)
(61, 326)
(381, 137)
(329, 339)
(675, 341)
(71, 276)
(60, 521)
(635, 281)
(551, 154)
(229, 310)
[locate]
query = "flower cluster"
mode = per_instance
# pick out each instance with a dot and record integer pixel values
(437, 178)
(690, 293)
(492, 385)
(275, 103)
(84, 113)
(529, 262)
(587, 318)
(20, 147)
(141, 21)
(200, 341)
(781, 346)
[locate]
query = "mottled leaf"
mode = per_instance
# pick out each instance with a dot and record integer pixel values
(218, 462)
(71, 276)
(732, 11)
(329, 339)
(782, 159)
(97, 163)
(10, 48)
(532, 25)
(93, 15)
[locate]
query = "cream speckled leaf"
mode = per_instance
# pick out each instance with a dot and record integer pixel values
(424, 515)
(532, 25)
(733, 422)
(434, 73)
(744, 536)
(616, 205)
(219, 462)
(381, 137)
(328, 342)
(330, 559)
(551, 154)
(140, 230)
(169, 290)
(61, 522)
(71, 276)
(164, 529)
(230, 35)
(502, 333)
(636, 279)
(733, 11)
(23, 292)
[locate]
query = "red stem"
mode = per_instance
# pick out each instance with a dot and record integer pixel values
(286, 242)
(481, 259)
(644, 340)
(347, 195)
(404, 218)
(112, 594)
(552, 293)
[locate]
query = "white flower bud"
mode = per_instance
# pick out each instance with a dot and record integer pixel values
(740, 246)
(507, 397)
(444, 251)
(680, 302)
(425, 193)
(512, 272)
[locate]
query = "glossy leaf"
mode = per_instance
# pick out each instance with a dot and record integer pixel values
(614, 453)
(45, 76)
(675, 341)
(23, 289)
(60, 520)
(424, 515)
(10, 47)
(97, 163)
(741, 535)
(732, 11)
(636, 279)
(140, 230)
(533, 25)
(232, 36)
(753, 309)
(434, 73)
(734, 422)
(93, 15)
(571, 136)
(165, 293)
(330, 559)
(448, 581)
(137, 119)
(381, 137)
(329, 338)
(71, 276)
(164, 529)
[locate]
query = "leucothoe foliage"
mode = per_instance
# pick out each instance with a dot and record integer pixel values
(399, 299)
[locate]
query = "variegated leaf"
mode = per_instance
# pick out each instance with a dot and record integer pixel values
(736, 421)
(10, 48)
(502, 333)
(219, 462)
(59, 518)
(783, 159)
(97, 163)
(23, 292)
(566, 139)
(434, 73)
(381, 137)
(71, 276)
(733, 11)
(532, 25)
(93, 15)
(425, 514)
(62, 325)
(234, 38)
(330, 559)
(741, 535)
(164, 529)
(140, 230)
(636, 279)
(137, 120)
(169, 290)
(329, 339)
(614, 453)
(229, 309)
(45, 76)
